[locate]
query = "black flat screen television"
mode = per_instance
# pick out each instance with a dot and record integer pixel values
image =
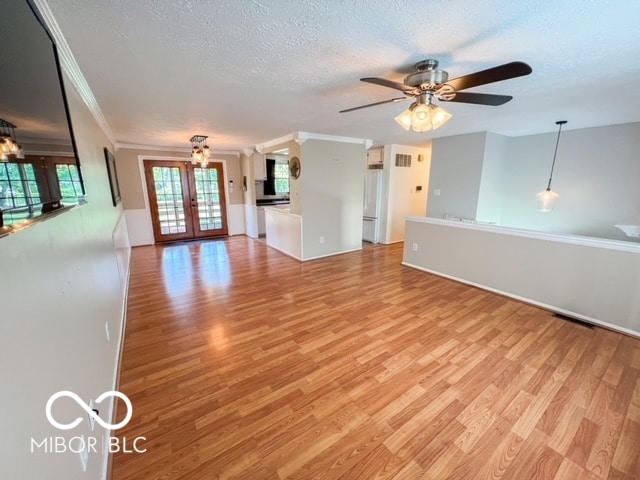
(43, 176)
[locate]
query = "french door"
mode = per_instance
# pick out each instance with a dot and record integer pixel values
(187, 201)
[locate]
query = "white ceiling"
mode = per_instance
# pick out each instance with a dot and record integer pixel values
(247, 71)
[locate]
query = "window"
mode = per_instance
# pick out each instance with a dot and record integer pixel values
(69, 182)
(37, 184)
(281, 178)
(18, 191)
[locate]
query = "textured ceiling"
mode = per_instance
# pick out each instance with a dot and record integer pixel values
(244, 72)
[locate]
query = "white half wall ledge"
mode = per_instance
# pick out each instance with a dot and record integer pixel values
(594, 280)
(139, 227)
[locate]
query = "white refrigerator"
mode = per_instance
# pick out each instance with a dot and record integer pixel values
(371, 212)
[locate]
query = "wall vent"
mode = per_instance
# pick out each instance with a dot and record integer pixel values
(403, 160)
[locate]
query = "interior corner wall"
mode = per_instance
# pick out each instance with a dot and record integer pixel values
(248, 188)
(493, 182)
(456, 171)
(596, 175)
(331, 193)
(61, 291)
(491, 178)
(403, 195)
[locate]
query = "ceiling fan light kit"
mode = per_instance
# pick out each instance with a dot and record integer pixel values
(428, 81)
(423, 117)
(547, 198)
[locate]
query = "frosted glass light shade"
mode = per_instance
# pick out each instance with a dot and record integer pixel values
(546, 200)
(404, 119)
(439, 117)
(423, 117)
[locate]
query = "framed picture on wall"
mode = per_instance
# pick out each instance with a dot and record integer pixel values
(113, 176)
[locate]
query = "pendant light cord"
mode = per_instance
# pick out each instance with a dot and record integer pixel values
(553, 164)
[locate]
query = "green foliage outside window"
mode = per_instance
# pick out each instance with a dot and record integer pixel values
(18, 186)
(69, 181)
(281, 178)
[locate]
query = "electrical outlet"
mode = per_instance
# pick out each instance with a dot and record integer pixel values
(414, 247)
(322, 239)
(436, 192)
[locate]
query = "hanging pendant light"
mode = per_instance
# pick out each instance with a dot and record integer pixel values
(200, 151)
(547, 198)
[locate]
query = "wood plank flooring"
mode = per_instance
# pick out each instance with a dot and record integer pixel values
(243, 363)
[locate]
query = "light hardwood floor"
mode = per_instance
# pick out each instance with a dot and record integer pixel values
(243, 363)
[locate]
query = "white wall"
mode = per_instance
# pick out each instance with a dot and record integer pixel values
(592, 279)
(596, 176)
(331, 192)
(284, 231)
(402, 196)
(61, 285)
(456, 170)
(249, 195)
(491, 196)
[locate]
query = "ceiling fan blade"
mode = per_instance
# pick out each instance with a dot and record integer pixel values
(391, 84)
(495, 74)
(479, 98)
(393, 100)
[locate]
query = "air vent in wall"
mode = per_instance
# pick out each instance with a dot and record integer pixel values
(403, 160)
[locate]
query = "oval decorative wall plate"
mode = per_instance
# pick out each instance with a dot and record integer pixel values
(294, 167)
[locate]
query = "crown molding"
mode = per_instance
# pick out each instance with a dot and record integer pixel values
(301, 137)
(48, 153)
(71, 67)
(160, 148)
(46, 141)
(155, 148)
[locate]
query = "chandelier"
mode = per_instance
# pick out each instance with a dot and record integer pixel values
(8, 143)
(200, 151)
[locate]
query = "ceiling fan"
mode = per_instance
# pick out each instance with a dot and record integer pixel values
(428, 81)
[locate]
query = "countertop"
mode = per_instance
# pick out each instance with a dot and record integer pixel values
(270, 202)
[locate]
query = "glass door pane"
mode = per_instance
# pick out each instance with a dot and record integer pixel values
(169, 200)
(168, 193)
(209, 216)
